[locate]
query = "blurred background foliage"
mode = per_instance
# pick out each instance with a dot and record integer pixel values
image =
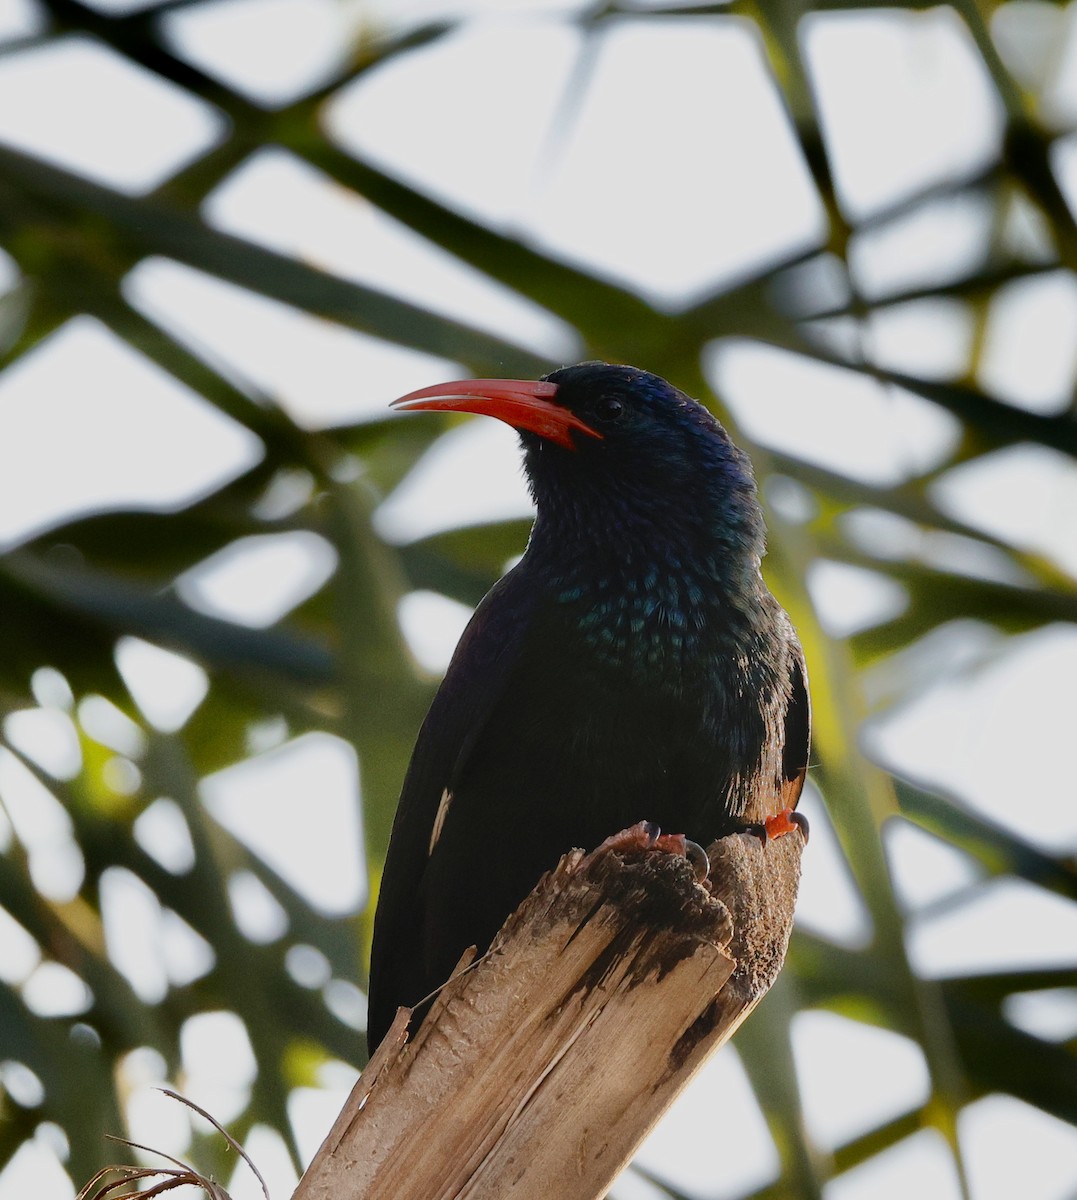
(124, 807)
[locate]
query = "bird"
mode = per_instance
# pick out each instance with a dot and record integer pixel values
(633, 665)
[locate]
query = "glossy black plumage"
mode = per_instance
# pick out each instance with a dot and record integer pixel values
(632, 666)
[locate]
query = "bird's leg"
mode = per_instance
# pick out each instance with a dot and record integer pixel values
(787, 821)
(641, 836)
(646, 835)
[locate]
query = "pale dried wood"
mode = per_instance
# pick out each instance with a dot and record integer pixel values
(540, 1069)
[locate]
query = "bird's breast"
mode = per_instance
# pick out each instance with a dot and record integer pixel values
(651, 684)
(666, 629)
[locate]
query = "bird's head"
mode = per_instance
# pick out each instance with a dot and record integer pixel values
(616, 445)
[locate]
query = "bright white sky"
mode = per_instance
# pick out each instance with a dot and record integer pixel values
(660, 156)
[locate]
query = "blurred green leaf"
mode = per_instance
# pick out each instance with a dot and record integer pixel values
(338, 661)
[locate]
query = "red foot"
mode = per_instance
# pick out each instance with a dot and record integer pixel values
(672, 843)
(645, 835)
(779, 825)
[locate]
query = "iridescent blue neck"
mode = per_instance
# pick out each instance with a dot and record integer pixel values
(653, 549)
(684, 542)
(657, 610)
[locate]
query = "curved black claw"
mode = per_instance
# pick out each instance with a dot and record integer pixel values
(653, 831)
(697, 859)
(801, 821)
(756, 829)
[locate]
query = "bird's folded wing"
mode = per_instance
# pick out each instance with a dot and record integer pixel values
(473, 684)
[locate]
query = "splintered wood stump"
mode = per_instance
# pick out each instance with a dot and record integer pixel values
(540, 1069)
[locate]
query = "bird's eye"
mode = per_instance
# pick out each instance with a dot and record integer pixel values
(609, 408)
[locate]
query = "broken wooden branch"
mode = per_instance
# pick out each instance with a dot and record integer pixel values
(540, 1069)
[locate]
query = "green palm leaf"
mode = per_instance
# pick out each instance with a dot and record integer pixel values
(336, 662)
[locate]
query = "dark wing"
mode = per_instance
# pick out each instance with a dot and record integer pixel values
(475, 679)
(797, 746)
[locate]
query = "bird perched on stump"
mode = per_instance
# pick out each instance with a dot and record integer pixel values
(633, 665)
